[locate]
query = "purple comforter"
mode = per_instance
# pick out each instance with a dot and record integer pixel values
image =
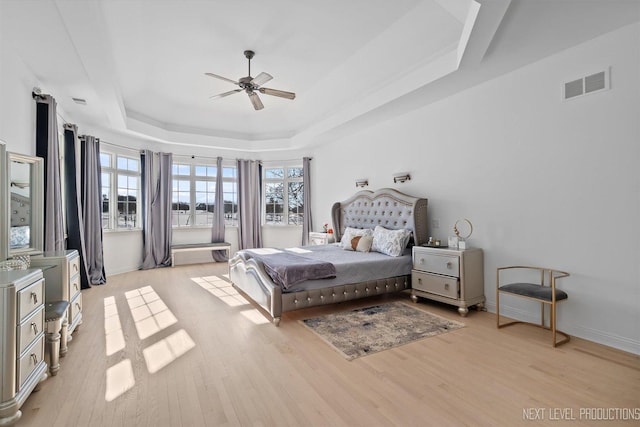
(288, 269)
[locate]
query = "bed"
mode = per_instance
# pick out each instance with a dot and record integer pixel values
(386, 208)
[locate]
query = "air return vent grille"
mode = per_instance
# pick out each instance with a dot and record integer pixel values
(592, 83)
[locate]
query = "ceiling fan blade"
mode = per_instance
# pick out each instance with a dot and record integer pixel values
(255, 100)
(222, 95)
(261, 79)
(276, 92)
(221, 78)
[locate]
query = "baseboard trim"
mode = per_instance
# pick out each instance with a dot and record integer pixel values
(601, 337)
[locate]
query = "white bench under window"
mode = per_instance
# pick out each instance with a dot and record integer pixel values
(190, 247)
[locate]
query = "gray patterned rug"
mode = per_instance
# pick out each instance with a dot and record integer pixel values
(369, 330)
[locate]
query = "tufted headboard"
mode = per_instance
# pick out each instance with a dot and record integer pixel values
(386, 207)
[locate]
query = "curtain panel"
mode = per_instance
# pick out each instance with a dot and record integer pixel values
(156, 209)
(249, 204)
(73, 206)
(91, 201)
(218, 229)
(307, 224)
(47, 147)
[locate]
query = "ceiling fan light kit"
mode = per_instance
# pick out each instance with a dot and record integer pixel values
(252, 85)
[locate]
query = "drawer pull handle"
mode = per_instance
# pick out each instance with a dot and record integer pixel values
(34, 358)
(419, 280)
(34, 326)
(421, 260)
(78, 305)
(75, 267)
(449, 265)
(35, 297)
(75, 285)
(446, 286)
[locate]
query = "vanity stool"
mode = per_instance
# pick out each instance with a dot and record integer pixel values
(55, 332)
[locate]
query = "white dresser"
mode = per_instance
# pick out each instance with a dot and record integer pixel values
(22, 364)
(450, 276)
(62, 282)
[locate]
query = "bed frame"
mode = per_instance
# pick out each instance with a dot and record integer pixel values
(366, 209)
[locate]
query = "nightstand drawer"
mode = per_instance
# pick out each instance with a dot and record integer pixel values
(74, 286)
(449, 265)
(74, 266)
(435, 284)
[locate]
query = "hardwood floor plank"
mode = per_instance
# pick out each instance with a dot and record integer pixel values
(210, 358)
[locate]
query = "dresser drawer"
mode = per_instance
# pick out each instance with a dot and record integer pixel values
(29, 361)
(29, 329)
(29, 298)
(435, 284)
(75, 308)
(448, 265)
(74, 266)
(74, 287)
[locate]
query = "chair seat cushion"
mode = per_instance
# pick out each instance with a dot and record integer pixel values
(533, 291)
(55, 310)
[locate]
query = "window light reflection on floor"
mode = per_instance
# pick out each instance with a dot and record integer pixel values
(119, 379)
(114, 339)
(165, 351)
(150, 313)
(221, 289)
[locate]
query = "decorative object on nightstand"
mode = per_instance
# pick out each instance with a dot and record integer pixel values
(545, 292)
(462, 240)
(316, 238)
(451, 276)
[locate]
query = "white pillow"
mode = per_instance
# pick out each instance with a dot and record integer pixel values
(390, 242)
(350, 233)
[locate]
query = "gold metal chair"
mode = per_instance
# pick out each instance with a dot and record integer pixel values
(545, 292)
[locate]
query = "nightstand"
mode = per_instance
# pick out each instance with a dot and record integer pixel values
(450, 276)
(316, 238)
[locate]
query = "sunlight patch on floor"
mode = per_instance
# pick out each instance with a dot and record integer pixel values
(165, 351)
(255, 316)
(150, 313)
(114, 339)
(119, 379)
(221, 289)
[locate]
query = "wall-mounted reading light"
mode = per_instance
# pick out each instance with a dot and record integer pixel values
(362, 182)
(401, 177)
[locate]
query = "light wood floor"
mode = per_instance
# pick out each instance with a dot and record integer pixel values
(207, 358)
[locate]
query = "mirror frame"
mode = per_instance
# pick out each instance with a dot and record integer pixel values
(4, 204)
(36, 192)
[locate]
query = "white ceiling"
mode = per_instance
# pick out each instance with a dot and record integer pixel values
(140, 64)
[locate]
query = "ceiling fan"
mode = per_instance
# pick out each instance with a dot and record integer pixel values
(252, 85)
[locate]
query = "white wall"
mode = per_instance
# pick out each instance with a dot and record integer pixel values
(545, 182)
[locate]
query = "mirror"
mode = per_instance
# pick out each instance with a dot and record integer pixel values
(25, 182)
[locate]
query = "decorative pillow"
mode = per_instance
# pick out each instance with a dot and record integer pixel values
(354, 242)
(390, 242)
(364, 243)
(350, 233)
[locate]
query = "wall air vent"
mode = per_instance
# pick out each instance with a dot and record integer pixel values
(80, 101)
(585, 85)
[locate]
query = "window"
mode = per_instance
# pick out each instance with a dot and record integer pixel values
(194, 195)
(283, 195)
(121, 183)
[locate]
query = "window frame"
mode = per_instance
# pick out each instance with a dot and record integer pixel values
(192, 178)
(285, 180)
(114, 173)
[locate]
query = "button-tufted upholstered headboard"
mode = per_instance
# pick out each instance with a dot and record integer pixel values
(386, 207)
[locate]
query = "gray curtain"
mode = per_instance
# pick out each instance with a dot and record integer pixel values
(217, 230)
(156, 209)
(47, 147)
(307, 224)
(249, 196)
(91, 200)
(73, 207)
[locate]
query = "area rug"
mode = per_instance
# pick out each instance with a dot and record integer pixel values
(369, 330)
